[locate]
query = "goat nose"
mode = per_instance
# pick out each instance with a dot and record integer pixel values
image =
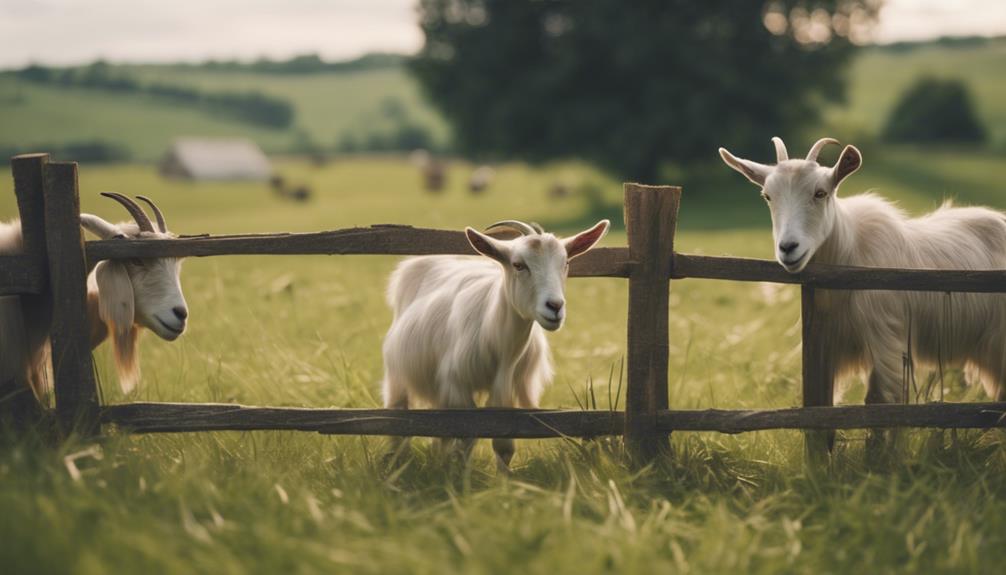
(788, 247)
(554, 304)
(181, 313)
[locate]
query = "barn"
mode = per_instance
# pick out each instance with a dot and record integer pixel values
(215, 159)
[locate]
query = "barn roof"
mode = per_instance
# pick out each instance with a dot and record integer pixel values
(216, 159)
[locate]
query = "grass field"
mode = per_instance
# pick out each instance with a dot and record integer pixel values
(306, 332)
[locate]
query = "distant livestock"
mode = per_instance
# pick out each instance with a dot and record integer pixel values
(433, 170)
(123, 296)
(480, 180)
(876, 331)
(466, 327)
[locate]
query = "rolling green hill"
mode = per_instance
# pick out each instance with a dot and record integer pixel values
(327, 106)
(880, 75)
(330, 105)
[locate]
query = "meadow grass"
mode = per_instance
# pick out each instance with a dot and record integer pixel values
(306, 331)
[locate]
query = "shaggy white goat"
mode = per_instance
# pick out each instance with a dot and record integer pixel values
(872, 330)
(122, 297)
(470, 326)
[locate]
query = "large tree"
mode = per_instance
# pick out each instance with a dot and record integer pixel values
(632, 84)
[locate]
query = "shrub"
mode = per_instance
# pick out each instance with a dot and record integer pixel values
(90, 151)
(934, 110)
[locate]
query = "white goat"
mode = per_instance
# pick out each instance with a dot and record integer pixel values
(465, 327)
(122, 297)
(872, 330)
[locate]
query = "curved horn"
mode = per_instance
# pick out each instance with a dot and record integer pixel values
(781, 155)
(134, 210)
(157, 213)
(818, 146)
(524, 229)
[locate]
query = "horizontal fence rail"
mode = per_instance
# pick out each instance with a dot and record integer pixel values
(538, 423)
(481, 422)
(375, 240)
(599, 262)
(939, 415)
(838, 277)
(21, 275)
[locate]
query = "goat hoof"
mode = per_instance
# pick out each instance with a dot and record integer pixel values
(503, 465)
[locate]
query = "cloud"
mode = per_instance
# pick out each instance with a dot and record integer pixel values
(69, 32)
(78, 31)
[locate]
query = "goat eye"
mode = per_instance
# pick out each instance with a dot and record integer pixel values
(519, 266)
(766, 197)
(820, 194)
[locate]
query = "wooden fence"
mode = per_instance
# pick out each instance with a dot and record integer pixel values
(55, 259)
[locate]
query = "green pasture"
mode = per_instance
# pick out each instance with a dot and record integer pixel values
(306, 331)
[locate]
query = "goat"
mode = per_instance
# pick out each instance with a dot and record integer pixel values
(123, 296)
(481, 179)
(874, 330)
(469, 326)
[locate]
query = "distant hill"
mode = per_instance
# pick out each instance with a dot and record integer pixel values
(881, 74)
(358, 100)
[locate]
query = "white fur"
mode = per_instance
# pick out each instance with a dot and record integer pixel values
(467, 327)
(875, 330)
(123, 296)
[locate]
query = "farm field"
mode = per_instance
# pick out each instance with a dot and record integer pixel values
(306, 331)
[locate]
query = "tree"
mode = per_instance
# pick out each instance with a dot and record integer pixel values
(630, 85)
(934, 110)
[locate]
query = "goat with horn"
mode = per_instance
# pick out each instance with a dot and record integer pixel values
(869, 330)
(468, 327)
(123, 297)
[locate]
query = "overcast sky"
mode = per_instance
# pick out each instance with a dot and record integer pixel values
(75, 31)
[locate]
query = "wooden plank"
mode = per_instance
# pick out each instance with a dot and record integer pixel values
(25, 275)
(383, 239)
(28, 185)
(818, 374)
(930, 415)
(650, 217)
(538, 423)
(487, 422)
(73, 372)
(839, 277)
(21, 274)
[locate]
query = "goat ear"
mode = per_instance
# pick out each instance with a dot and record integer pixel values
(115, 295)
(116, 308)
(850, 161)
(753, 171)
(487, 246)
(100, 227)
(585, 240)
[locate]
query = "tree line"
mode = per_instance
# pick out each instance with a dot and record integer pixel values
(250, 107)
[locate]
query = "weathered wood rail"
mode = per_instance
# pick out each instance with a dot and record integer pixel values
(55, 258)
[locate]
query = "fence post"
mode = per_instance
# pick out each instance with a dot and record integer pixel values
(818, 376)
(73, 371)
(16, 397)
(650, 218)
